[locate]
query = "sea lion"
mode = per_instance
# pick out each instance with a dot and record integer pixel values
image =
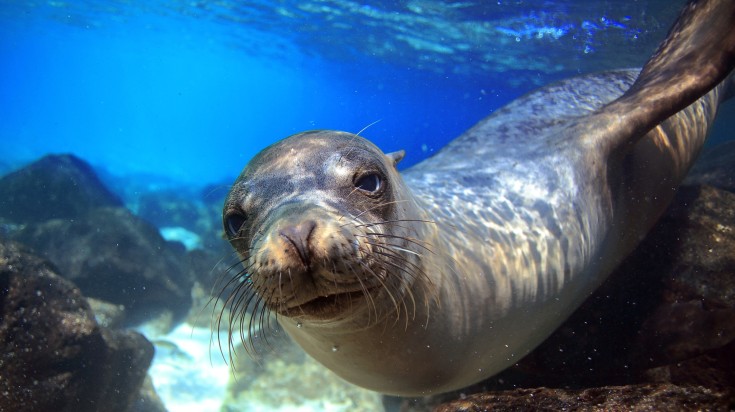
(432, 280)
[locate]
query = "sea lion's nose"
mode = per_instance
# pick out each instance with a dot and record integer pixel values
(298, 236)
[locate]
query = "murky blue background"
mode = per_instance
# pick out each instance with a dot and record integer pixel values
(188, 91)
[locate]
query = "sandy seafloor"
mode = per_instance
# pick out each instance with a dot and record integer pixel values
(190, 375)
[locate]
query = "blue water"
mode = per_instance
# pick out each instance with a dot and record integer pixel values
(189, 91)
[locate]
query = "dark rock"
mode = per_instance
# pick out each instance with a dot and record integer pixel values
(200, 215)
(215, 265)
(696, 306)
(112, 255)
(53, 355)
(148, 400)
(56, 186)
(168, 208)
(651, 397)
(107, 314)
(715, 167)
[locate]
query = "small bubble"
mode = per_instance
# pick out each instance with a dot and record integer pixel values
(299, 325)
(335, 348)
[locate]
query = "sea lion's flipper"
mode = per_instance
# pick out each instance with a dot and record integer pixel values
(698, 53)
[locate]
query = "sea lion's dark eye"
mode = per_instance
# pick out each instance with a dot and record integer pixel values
(233, 223)
(370, 182)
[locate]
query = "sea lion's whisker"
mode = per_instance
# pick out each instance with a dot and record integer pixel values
(264, 321)
(253, 322)
(366, 127)
(215, 298)
(378, 206)
(231, 296)
(396, 247)
(399, 289)
(414, 272)
(230, 346)
(383, 222)
(387, 249)
(402, 269)
(240, 279)
(368, 296)
(212, 296)
(240, 305)
(390, 246)
(280, 283)
(355, 136)
(418, 242)
(385, 287)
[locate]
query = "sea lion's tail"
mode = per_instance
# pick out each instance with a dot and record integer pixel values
(697, 54)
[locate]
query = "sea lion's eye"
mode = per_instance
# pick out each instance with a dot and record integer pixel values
(370, 182)
(233, 223)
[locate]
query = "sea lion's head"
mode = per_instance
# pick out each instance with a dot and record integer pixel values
(325, 230)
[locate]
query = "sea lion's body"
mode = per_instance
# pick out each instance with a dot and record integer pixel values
(443, 277)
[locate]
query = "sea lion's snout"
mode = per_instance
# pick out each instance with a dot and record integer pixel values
(297, 237)
(305, 262)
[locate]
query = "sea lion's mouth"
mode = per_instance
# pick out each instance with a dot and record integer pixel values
(328, 307)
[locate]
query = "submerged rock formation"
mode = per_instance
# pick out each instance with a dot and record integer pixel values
(54, 187)
(61, 209)
(53, 354)
(111, 254)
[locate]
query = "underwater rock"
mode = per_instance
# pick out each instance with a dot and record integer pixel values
(148, 400)
(214, 269)
(715, 167)
(659, 334)
(53, 355)
(177, 209)
(111, 254)
(649, 397)
(696, 307)
(169, 209)
(55, 186)
(107, 314)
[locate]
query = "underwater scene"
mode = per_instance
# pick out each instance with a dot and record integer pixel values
(136, 260)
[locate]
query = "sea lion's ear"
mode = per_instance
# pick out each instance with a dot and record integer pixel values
(395, 157)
